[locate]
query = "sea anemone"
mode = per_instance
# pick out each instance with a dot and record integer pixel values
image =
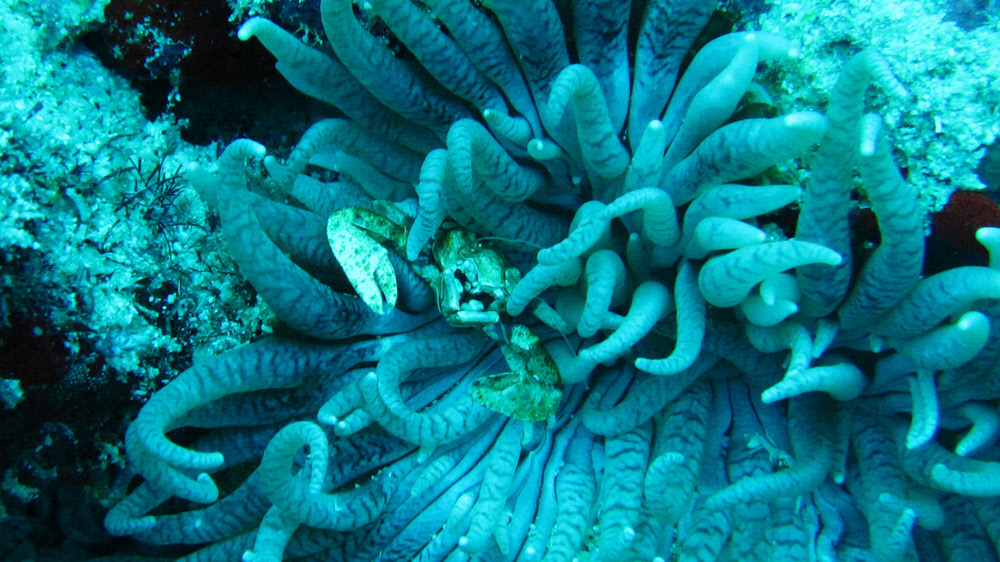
(532, 317)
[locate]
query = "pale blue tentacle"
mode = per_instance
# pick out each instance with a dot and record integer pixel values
(603, 154)
(742, 149)
(438, 53)
(727, 279)
(600, 29)
(402, 87)
(323, 77)
(666, 33)
(715, 103)
(823, 219)
(691, 319)
(894, 267)
(481, 39)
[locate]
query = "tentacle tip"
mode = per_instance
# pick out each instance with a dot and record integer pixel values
(342, 429)
(973, 320)
(215, 460)
(877, 343)
(515, 309)
(465, 545)
(988, 234)
(806, 120)
(886, 498)
(772, 395)
(207, 491)
(868, 148)
(255, 150)
(248, 29)
(940, 473)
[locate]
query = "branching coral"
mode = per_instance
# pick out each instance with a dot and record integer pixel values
(785, 395)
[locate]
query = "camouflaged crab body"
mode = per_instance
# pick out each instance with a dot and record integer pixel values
(474, 281)
(471, 279)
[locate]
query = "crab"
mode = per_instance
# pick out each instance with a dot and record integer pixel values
(471, 279)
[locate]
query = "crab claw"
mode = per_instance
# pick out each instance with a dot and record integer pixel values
(531, 390)
(356, 236)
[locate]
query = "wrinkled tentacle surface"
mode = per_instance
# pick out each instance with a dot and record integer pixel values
(732, 383)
